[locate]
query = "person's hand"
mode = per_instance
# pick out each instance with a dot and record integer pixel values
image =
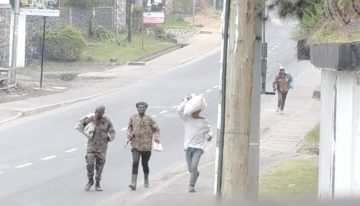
(157, 141)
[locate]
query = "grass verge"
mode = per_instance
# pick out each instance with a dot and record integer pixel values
(176, 22)
(105, 50)
(311, 141)
(290, 178)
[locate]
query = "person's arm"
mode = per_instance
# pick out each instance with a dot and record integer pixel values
(181, 107)
(209, 134)
(130, 130)
(275, 82)
(156, 131)
(111, 132)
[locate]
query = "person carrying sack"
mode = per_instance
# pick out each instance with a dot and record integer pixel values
(100, 131)
(197, 133)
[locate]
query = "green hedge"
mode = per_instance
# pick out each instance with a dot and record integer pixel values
(64, 43)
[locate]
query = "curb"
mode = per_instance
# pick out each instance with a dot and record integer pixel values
(142, 60)
(50, 107)
(12, 118)
(203, 52)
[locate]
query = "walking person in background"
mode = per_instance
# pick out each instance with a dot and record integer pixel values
(197, 133)
(142, 131)
(282, 83)
(100, 131)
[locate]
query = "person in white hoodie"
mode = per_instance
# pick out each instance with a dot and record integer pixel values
(197, 132)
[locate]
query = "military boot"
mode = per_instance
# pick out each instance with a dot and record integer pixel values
(98, 187)
(89, 184)
(146, 180)
(132, 186)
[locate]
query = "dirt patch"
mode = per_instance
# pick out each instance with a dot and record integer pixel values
(207, 20)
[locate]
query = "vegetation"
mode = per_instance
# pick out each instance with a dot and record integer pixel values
(64, 43)
(98, 32)
(102, 51)
(311, 141)
(86, 3)
(319, 18)
(291, 178)
(176, 22)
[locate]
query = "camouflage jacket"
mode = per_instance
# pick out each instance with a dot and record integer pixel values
(104, 133)
(142, 131)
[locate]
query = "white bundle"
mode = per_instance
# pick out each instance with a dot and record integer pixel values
(196, 103)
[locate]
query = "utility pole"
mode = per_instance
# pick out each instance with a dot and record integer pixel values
(239, 83)
(15, 33)
(129, 19)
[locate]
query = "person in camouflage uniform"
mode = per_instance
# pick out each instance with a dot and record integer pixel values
(142, 131)
(97, 146)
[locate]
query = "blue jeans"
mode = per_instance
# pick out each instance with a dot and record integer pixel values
(192, 158)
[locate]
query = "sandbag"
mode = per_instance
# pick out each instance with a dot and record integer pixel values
(196, 103)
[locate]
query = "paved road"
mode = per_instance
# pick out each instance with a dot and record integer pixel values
(42, 156)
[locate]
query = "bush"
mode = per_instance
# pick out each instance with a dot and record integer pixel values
(64, 43)
(98, 32)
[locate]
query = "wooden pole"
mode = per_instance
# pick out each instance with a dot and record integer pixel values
(238, 99)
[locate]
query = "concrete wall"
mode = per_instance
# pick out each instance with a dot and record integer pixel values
(5, 27)
(339, 164)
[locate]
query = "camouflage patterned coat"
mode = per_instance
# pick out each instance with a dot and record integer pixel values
(104, 133)
(142, 131)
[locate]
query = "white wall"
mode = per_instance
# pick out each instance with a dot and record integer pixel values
(339, 161)
(344, 134)
(20, 61)
(4, 1)
(327, 144)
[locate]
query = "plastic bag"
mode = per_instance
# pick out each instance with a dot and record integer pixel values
(157, 147)
(196, 103)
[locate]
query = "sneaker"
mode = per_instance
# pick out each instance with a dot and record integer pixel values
(282, 112)
(277, 109)
(192, 189)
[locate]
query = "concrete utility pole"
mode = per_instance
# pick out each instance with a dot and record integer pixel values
(239, 82)
(15, 33)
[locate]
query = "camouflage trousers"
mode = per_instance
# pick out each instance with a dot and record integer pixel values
(94, 162)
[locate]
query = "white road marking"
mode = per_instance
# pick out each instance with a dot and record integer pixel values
(153, 116)
(174, 107)
(163, 112)
(71, 150)
(124, 129)
(201, 94)
(215, 87)
(1, 173)
(49, 157)
(208, 91)
(23, 165)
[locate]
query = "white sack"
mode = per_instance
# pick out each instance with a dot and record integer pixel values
(196, 103)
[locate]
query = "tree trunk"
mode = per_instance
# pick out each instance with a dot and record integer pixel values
(238, 99)
(128, 19)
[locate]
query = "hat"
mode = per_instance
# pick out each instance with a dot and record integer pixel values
(141, 104)
(282, 67)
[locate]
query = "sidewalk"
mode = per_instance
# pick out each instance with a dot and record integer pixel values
(118, 77)
(280, 139)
